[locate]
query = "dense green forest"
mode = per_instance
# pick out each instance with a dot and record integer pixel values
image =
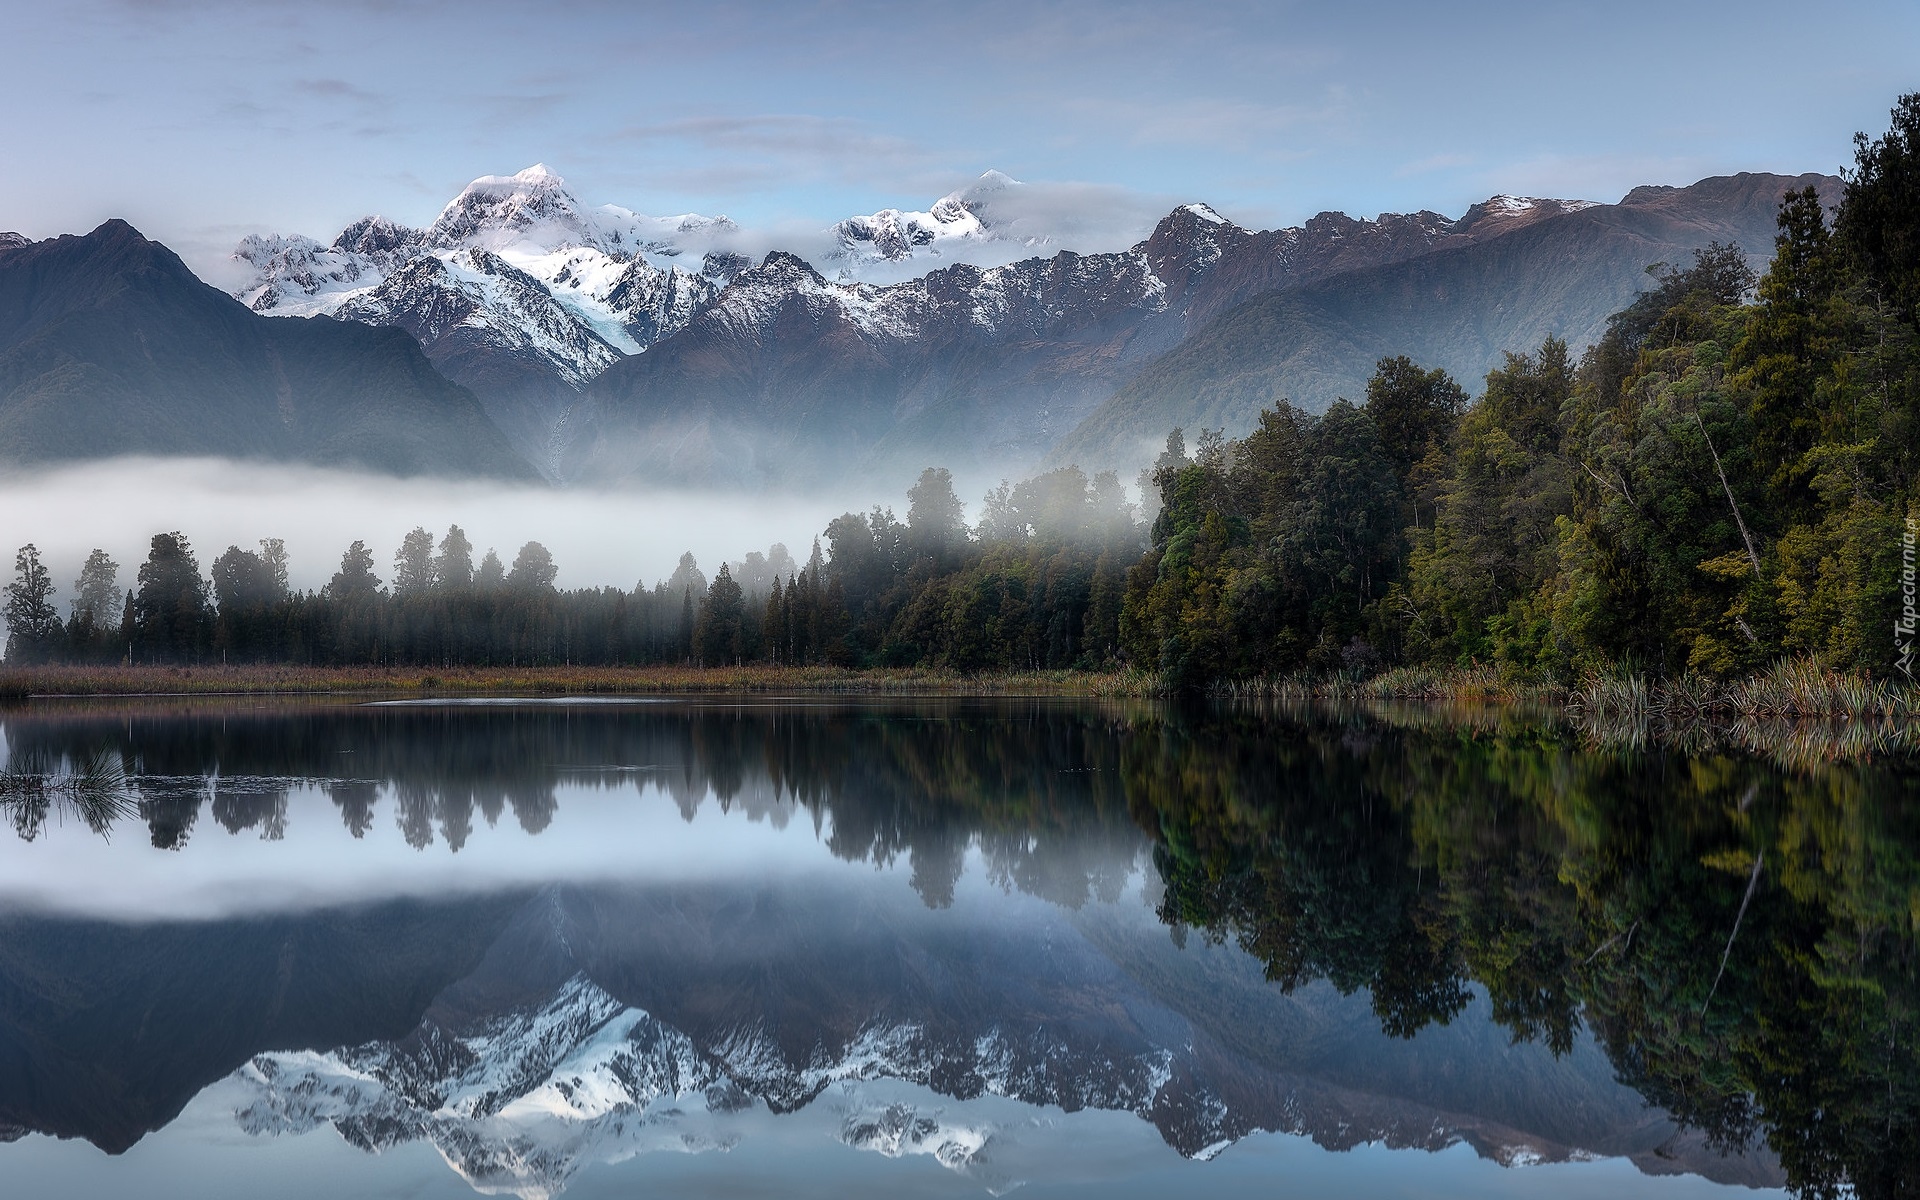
(1726, 479)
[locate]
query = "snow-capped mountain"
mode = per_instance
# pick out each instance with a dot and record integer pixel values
(966, 334)
(989, 365)
(516, 289)
(530, 219)
(958, 223)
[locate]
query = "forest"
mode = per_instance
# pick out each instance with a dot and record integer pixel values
(1724, 481)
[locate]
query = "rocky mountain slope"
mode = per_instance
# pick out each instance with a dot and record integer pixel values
(532, 299)
(109, 345)
(1461, 308)
(517, 290)
(960, 223)
(787, 374)
(614, 348)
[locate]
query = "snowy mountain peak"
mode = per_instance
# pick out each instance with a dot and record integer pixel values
(375, 235)
(961, 219)
(1501, 213)
(1206, 213)
(500, 210)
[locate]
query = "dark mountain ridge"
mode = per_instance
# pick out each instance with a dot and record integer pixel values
(109, 345)
(1460, 308)
(787, 375)
(1092, 358)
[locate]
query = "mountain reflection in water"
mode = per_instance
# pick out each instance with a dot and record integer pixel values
(537, 937)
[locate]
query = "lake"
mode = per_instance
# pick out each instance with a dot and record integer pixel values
(947, 947)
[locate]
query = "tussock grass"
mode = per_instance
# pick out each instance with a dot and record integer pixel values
(21, 682)
(93, 789)
(1477, 684)
(1793, 688)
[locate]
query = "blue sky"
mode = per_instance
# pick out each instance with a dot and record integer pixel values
(200, 120)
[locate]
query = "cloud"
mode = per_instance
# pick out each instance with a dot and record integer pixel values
(1604, 177)
(799, 138)
(335, 88)
(1433, 163)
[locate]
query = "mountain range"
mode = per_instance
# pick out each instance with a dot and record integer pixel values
(609, 347)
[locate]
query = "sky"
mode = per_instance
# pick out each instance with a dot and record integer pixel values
(203, 120)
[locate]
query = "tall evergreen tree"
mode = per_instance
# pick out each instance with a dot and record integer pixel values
(355, 579)
(273, 552)
(492, 573)
(1413, 410)
(1880, 221)
(413, 563)
(94, 625)
(721, 635)
(171, 620)
(33, 623)
(533, 569)
(936, 519)
(453, 566)
(242, 580)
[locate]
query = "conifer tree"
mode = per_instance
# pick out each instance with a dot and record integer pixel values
(936, 519)
(170, 612)
(355, 579)
(95, 619)
(413, 563)
(492, 573)
(273, 552)
(33, 623)
(453, 566)
(775, 624)
(721, 633)
(533, 569)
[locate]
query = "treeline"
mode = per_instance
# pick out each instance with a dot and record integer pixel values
(1727, 478)
(1037, 584)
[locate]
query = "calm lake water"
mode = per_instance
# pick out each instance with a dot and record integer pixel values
(948, 948)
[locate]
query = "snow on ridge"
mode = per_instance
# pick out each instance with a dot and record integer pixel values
(961, 220)
(523, 1099)
(610, 270)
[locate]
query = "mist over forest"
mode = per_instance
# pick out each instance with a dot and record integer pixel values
(598, 537)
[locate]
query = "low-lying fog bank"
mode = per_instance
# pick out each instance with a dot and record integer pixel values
(597, 538)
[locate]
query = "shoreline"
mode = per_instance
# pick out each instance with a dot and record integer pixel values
(79, 682)
(1791, 689)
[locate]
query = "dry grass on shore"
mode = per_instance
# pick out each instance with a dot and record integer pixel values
(115, 680)
(1792, 689)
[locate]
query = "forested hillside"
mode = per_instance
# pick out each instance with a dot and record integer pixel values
(1723, 480)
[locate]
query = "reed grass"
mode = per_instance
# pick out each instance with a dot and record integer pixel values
(1476, 684)
(93, 789)
(1793, 688)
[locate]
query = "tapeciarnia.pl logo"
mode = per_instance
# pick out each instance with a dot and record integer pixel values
(1903, 627)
